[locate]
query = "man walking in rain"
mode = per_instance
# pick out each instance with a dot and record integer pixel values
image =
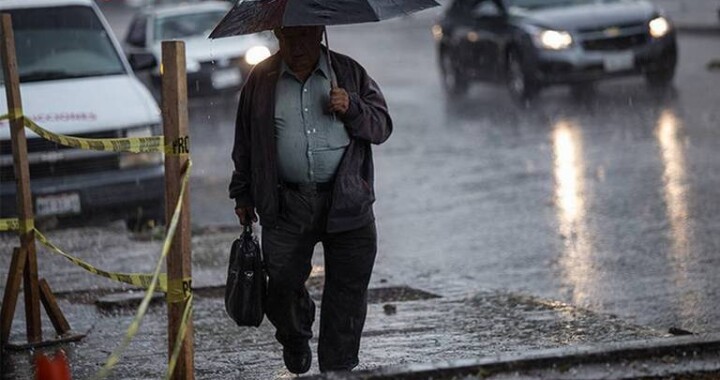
(303, 161)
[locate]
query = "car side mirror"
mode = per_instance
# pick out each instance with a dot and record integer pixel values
(142, 61)
(135, 40)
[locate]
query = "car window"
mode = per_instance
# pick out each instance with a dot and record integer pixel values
(461, 8)
(62, 42)
(486, 8)
(137, 33)
(187, 25)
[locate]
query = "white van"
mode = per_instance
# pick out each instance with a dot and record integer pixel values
(76, 81)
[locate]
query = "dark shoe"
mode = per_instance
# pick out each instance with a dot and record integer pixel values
(298, 359)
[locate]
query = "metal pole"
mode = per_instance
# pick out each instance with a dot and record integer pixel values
(175, 127)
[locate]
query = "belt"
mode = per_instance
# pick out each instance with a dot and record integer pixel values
(309, 187)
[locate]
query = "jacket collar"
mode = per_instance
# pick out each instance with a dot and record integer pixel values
(274, 66)
(321, 67)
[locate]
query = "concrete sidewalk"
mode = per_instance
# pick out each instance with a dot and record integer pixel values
(398, 332)
(405, 326)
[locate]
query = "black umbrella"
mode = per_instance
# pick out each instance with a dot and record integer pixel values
(252, 16)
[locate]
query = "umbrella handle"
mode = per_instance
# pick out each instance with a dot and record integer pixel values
(333, 81)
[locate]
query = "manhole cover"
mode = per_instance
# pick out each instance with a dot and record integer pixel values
(125, 301)
(398, 294)
(111, 299)
(375, 295)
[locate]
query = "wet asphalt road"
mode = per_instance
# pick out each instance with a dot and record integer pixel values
(609, 202)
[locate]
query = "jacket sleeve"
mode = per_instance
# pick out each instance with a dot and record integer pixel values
(240, 184)
(367, 116)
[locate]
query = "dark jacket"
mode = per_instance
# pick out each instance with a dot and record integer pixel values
(255, 178)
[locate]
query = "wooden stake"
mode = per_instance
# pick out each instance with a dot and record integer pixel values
(52, 308)
(175, 129)
(22, 177)
(12, 290)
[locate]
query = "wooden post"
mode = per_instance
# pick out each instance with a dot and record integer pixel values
(56, 316)
(22, 177)
(12, 290)
(175, 129)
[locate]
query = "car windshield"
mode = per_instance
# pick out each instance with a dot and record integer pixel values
(539, 4)
(62, 42)
(187, 25)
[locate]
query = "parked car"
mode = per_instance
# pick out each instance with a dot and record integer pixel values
(76, 81)
(531, 44)
(213, 66)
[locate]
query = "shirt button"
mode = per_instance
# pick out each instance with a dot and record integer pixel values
(306, 109)
(313, 130)
(305, 90)
(308, 131)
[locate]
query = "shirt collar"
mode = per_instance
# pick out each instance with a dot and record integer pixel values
(321, 67)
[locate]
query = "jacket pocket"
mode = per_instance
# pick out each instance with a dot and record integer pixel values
(352, 195)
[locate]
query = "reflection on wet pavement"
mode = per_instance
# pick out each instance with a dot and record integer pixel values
(682, 259)
(674, 181)
(569, 170)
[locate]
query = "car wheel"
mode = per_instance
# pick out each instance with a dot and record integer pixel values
(661, 77)
(454, 83)
(520, 84)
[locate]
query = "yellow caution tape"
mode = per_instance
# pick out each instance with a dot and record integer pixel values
(151, 144)
(179, 290)
(114, 358)
(17, 225)
(128, 144)
(179, 338)
(10, 224)
(137, 279)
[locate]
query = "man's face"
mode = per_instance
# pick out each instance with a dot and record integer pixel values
(300, 46)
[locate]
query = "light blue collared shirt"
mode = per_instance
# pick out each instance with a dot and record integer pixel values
(310, 140)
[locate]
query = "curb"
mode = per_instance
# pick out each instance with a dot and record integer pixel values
(689, 346)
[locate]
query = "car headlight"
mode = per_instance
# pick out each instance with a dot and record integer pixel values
(133, 160)
(659, 27)
(256, 54)
(192, 66)
(554, 39)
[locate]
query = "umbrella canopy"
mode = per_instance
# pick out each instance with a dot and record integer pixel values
(251, 16)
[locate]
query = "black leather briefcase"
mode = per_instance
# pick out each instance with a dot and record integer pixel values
(245, 289)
